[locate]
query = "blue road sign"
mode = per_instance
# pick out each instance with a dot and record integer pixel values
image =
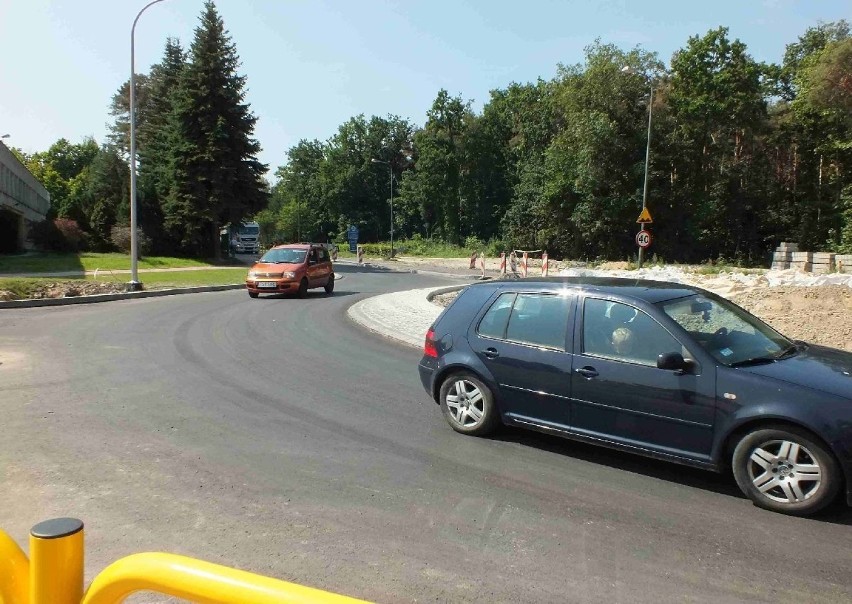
(352, 235)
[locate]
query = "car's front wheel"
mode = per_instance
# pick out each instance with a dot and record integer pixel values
(468, 405)
(253, 294)
(302, 292)
(786, 470)
(329, 286)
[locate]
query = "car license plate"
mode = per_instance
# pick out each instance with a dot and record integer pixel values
(267, 284)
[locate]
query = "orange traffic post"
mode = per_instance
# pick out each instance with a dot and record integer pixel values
(56, 562)
(14, 572)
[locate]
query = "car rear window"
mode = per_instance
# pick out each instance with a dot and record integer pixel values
(537, 319)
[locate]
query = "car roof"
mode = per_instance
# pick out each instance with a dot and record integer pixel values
(642, 289)
(294, 246)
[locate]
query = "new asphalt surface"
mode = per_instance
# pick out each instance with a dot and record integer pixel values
(278, 436)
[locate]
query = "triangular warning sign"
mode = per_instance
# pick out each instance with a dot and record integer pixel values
(644, 217)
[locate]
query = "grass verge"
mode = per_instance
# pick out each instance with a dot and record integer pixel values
(37, 287)
(47, 262)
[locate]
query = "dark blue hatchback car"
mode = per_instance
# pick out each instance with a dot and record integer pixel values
(660, 369)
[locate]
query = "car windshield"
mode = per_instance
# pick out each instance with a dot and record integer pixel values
(284, 256)
(730, 334)
(249, 230)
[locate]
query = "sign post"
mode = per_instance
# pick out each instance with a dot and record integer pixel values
(352, 237)
(643, 237)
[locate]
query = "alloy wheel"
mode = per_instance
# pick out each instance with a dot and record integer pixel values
(465, 403)
(784, 471)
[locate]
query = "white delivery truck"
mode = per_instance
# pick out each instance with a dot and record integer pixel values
(245, 239)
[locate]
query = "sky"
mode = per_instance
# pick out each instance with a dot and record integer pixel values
(313, 64)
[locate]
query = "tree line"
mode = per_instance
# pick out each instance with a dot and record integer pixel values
(743, 155)
(198, 167)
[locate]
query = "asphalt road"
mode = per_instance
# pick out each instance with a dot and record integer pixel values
(276, 436)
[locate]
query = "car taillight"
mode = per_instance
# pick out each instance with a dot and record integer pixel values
(429, 348)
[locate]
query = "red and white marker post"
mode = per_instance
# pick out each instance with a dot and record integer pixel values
(545, 269)
(503, 264)
(525, 264)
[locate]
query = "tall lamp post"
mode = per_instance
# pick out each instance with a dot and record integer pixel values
(628, 69)
(390, 168)
(134, 284)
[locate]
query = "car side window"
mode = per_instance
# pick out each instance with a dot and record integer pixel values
(619, 331)
(493, 324)
(323, 257)
(539, 319)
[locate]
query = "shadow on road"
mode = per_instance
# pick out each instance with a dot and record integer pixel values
(723, 484)
(311, 295)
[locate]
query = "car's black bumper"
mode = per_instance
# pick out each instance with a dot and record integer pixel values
(427, 368)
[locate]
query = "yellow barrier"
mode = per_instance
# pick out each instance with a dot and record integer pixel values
(54, 575)
(14, 572)
(197, 581)
(56, 562)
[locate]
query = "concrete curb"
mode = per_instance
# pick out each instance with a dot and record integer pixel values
(401, 316)
(155, 293)
(444, 290)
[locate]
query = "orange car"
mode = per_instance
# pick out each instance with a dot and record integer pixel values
(292, 268)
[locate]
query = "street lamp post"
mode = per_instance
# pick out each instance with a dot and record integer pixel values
(647, 161)
(390, 168)
(628, 69)
(134, 284)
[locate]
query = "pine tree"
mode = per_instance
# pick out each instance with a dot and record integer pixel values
(218, 178)
(157, 137)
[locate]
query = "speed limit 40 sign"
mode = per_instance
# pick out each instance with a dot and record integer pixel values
(643, 238)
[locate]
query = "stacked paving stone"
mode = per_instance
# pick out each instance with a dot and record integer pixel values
(802, 261)
(823, 262)
(843, 262)
(784, 255)
(787, 255)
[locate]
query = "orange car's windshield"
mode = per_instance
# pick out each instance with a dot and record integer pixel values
(284, 256)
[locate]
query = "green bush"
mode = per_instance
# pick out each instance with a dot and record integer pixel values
(60, 235)
(120, 238)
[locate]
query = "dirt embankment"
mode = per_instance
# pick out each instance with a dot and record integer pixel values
(63, 289)
(820, 314)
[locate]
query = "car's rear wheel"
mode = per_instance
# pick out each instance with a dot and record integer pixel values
(329, 287)
(303, 288)
(786, 470)
(253, 294)
(468, 405)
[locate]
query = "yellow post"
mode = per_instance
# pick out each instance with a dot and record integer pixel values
(198, 581)
(56, 562)
(14, 572)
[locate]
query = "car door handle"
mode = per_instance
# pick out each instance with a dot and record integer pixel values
(491, 353)
(587, 372)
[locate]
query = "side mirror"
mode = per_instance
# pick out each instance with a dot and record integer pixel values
(673, 361)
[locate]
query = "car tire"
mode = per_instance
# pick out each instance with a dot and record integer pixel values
(303, 288)
(253, 294)
(468, 405)
(786, 470)
(329, 286)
